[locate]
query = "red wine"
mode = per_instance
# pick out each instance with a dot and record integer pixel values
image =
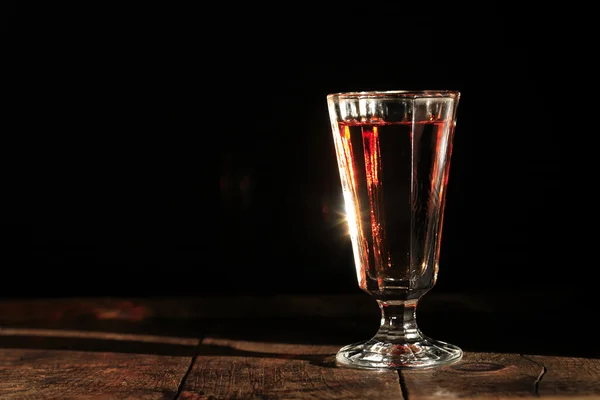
(394, 177)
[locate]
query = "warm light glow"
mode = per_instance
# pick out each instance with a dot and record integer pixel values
(351, 215)
(343, 145)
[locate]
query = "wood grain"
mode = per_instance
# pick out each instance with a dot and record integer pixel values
(568, 376)
(77, 334)
(96, 341)
(235, 369)
(271, 347)
(140, 309)
(477, 375)
(72, 375)
(526, 302)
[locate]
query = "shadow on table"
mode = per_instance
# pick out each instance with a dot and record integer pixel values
(30, 340)
(129, 327)
(481, 333)
(473, 333)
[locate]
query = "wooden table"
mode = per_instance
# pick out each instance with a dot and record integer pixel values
(282, 347)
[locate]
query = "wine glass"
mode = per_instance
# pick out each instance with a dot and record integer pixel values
(393, 150)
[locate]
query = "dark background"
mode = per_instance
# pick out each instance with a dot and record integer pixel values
(120, 120)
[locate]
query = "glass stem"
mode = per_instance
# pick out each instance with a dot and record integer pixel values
(398, 322)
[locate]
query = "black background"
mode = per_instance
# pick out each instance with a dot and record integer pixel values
(120, 119)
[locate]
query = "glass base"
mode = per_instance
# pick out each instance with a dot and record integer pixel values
(375, 354)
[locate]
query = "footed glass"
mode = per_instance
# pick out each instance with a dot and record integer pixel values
(393, 151)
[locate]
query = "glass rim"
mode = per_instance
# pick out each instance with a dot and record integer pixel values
(374, 94)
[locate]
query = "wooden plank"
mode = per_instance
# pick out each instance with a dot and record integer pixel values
(111, 342)
(140, 309)
(568, 376)
(237, 369)
(477, 375)
(78, 334)
(73, 375)
(61, 309)
(526, 302)
(107, 325)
